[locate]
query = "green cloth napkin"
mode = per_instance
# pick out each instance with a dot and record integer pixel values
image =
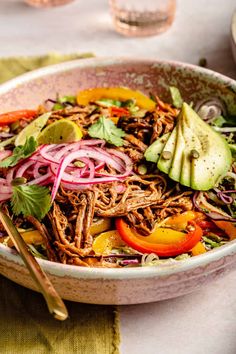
(14, 66)
(26, 327)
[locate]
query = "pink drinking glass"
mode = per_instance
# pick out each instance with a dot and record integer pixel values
(142, 17)
(47, 3)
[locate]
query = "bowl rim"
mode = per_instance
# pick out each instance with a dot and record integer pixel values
(163, 270)
(169, 269)
(233, 28)
(107, 61)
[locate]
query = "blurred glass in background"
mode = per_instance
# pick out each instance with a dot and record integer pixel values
(47, 3)
(142, 17)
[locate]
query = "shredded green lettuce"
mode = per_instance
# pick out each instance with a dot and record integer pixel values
(233, 150)
(36, 253)
(182, 257)
(133, 108)
(219, 121)
(107, 102)
(210, 242)
(63, 101)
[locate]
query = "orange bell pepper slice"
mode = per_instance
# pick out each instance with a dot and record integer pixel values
(32, 237)
(228, 227)
(101, 225)
(180, 242)
(180, 221)
(198, 249)
(106, 241)
(117, 93)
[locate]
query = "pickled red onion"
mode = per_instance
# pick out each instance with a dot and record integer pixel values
(56, 164)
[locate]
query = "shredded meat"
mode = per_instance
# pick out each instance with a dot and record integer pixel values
(82, 116)
(164, 119)
(154, 124)
(139, 193)
(46, 237)
(142, 200)
(72, 234)
(144, 220)
(138, 144)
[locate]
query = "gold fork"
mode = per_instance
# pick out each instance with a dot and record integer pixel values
(54, 302)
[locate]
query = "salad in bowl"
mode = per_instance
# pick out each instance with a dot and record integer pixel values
(114, 178)
(120, 176)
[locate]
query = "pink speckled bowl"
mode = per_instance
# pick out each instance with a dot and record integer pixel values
(130, 285)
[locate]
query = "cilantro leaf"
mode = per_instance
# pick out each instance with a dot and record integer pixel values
(176, 97)
(20, 152)
(31, 200)
(105, 129)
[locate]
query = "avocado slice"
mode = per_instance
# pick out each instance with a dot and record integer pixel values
(199, 155)
(185, 176)
(164, 164)
(212, 154)
(153, 152)
(176, 164)
(208, 151)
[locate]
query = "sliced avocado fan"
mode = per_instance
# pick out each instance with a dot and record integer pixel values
(165, 160)
(153, 152)
(194, 154)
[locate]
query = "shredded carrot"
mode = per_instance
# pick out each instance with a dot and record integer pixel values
(162, 106)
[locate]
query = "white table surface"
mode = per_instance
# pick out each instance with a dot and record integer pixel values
(203, 322)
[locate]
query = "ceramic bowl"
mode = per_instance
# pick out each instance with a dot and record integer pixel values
(129, 285)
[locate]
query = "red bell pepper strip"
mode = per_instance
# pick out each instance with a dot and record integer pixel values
(205, 224)
(161, 249)
(119, 111)
(11, 117)
(209, 227)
